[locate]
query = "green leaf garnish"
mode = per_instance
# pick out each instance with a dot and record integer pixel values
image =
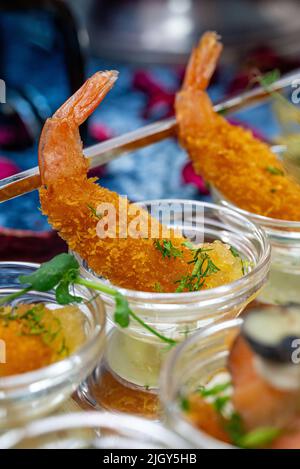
(122, 311)
(203, 268)
(233, 423)
(275, 171)
(167, 248)
(157, 287)
(189, 245)
(269, 78)
(50, 273)
(258, 438)
(94, 212)
(63, 296)
(184, 404)
(63, 273)
(234, 252)
(217, 389)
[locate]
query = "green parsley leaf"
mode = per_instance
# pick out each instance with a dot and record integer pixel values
(184, 404)
(217, 389)
(167, 249)
(259, 437)
(275, 171)
(234, 427)
(269, 78)
(234, 252)
(94, 212)
(63, 297)
(50, 273)
(122, 311)
(157, 287)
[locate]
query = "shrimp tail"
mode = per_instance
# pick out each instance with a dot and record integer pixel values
(193, 107)
(88, 97)
(203, 62)
(60, 147)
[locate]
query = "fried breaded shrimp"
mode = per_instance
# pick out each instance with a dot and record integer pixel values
(70, 201)
(241, 167)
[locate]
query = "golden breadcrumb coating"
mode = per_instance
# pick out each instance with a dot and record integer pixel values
(240, 166)
(71, 202)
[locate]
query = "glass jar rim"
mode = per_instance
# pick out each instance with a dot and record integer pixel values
(210, 293)
(61, 367)
(92, 419)
(167, 390)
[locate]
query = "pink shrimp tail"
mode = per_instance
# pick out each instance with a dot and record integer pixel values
(88, 97)
(60, 148)
(203, 62)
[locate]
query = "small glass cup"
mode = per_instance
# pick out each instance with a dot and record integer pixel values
(134, 356)
(29, 395)
(92, 430)
(283, 284)
(192, 364)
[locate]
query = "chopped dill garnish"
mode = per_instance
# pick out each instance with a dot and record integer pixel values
(269, 78)
(167, 249)
(64, 350)
(246, 265)
(157, 287)
(217, 389)
(94, 212)
(184, 404)
(32, 324)
(203, 268)
(232, 422)
(275, 171)
(234, 252)
(189, 245)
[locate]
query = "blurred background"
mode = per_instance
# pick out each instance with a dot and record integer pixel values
(48, 48)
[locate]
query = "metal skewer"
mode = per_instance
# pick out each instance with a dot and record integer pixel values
(109, 150)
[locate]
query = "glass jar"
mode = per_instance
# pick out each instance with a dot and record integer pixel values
(134, 355)
(29, 395)
(92, 430)
(283, 284)
(192, 364)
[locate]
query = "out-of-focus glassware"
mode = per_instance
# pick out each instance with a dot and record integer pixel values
(192, 364)
(92, 430)
(29, 395)
(283, 284)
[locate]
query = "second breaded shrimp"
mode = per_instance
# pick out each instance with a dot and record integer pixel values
(241, 167)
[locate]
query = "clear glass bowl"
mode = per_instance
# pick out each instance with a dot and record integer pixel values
(134, 354)
(29, 395)
(283, 284)
(94, 430)
(192, 364)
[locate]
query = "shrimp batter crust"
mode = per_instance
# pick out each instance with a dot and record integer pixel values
(69, 199)
(241, 167)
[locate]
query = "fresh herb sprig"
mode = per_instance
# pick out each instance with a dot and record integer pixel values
(233, 423)
(275, 171)
(61, 274)
(94, 212)
(203, 268)
(167, 248)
